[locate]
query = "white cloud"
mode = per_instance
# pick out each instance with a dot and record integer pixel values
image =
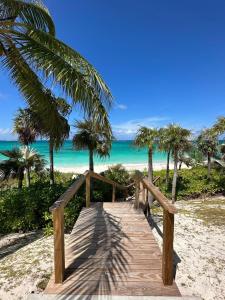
(6, 134)
(129, 128)
(3, 96)
(121, 106)
(4, 131)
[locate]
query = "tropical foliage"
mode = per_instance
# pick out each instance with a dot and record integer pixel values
(29, 48)
(147, 137)
(92, 136)
(20, 159)
(208, 144)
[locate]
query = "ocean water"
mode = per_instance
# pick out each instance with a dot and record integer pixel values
(122, 152)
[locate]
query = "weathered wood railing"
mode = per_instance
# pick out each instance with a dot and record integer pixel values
(57, 210)
(143, 185)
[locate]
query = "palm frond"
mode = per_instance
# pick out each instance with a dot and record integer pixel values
(77, 77)
(32, 13)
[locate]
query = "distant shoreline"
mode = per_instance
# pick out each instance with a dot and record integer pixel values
(104, 167)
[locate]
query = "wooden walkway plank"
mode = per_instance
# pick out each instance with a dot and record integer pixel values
(112, 251)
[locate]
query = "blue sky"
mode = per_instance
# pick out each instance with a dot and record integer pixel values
(163, 60)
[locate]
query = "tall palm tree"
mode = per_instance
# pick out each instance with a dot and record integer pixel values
(58, 129)
(147, 137)
(92, 136)
(25, 127)
(165, 145)
(20, 159)
(28, 47)
(179, 141)
(207, 143)
(219, 126)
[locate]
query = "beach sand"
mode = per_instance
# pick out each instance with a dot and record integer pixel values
(104, 167)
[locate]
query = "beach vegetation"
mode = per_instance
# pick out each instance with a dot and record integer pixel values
(147, 137)
(19, 160)
(193, 183)
(207, 143)
(179, 142)
(93, 137)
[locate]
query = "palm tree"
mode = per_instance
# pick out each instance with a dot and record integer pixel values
(165, 145)
(147, 137)
(219, 127)
(92, 136)
(20, 159)
(28, 47)
(207, 143)
(25, 125)
(58, 129)
(179, 141)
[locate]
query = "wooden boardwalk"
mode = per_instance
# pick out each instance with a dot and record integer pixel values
(112, 251)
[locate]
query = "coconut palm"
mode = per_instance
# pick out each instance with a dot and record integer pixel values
(165, 145)
(147, 137)
(57, 130)
(207, 143)
(91, 136)
(25, 127)
(179, 141)
(219, 127)
(28, 47)
(20, 159)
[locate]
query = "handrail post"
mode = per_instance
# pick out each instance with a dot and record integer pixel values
(137, 192)
(88, 190)
(59, 252)
(167, 258)
(113, 193)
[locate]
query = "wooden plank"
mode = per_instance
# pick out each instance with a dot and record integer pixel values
(69, 193)
(88, 190)
(112, 251)
(114, 193)
(167, 259)
(164, 202)
(59, 254)
(145, 288)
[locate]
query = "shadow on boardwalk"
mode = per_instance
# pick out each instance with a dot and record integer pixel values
(153, 221)
(96, 258)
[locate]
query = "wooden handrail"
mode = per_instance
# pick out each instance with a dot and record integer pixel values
(57, 210)
(69, 193)
(163, 201)
(168, 224)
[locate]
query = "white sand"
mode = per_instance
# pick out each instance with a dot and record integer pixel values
(101, 168)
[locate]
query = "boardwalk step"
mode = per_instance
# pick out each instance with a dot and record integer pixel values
(102, 297)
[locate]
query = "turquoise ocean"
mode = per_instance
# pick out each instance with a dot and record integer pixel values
(122, 152)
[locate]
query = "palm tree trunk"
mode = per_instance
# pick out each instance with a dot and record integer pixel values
(168, 168)
(28, 177)
(150, 166)
(20, 178)
(174, 185)
(180, 165)
(209, 166)
(51, 161)
(91, 160)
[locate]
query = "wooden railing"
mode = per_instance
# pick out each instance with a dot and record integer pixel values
(143, 185)
(57, 210)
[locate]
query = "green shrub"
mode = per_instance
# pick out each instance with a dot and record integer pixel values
(103, 191)
(193, 183)
(27, 209)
